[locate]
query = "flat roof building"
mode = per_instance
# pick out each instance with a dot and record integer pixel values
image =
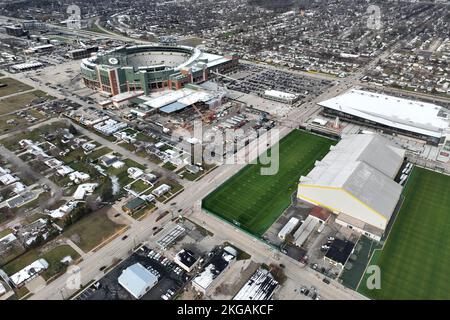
(356, 179)
(391, 114)
(260, 286)
(281, 96)
(339, 252)
(218, 263)
(186, 259)
(288, 228)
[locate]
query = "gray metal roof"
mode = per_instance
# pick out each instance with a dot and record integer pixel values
(364, 165)
(137, 280)
(172, 107)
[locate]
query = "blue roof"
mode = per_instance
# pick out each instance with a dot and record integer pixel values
(172, 107)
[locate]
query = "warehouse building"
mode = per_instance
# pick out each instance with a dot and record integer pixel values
(288, 228)
(261, 286)
(393, 115)
(355, 180)
(137, 280)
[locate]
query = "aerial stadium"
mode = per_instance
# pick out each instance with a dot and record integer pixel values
(151, 68)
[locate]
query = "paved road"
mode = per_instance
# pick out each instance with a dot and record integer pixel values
(141, 231)
(127, 153)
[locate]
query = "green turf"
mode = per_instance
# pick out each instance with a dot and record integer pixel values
(255, 201)
(414, 262)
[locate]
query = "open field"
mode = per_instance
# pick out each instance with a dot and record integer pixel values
(21, 101)
(92, 230)
(12, 86)
(254, 201)
(414, 261)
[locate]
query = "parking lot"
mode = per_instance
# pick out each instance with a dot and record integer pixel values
(256, 79)
(171, 277)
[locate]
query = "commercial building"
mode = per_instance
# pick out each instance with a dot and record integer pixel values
(339, 252)
(186, 259)
(77, 54)
(355, 180)
(134, 205)
(137, 280)
(150, 68)
(390, 114)
(16, 31)
(260, 286)
(27, 66)
(281, 96)
(218, 263)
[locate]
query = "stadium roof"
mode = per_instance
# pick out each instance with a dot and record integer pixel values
(137, 280)
(414, 116)
(356, 178)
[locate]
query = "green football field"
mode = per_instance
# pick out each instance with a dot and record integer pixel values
(414, 262)
(253, 201)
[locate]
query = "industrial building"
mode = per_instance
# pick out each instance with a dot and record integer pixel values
(137, 280)
(151, 68)
(396, 115)
(260, 286)
(288, 228)
(310, 224)
(355, 180)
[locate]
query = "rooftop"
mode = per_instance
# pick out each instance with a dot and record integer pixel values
(414, 116)
(260, 286)
(340, 251)
(137, 280)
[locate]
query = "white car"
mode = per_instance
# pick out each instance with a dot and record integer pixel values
(165, 297)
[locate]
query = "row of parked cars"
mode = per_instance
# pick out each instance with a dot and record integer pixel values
(172, 266)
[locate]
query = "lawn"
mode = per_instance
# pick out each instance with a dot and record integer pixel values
(139, 186)
(53, 257)
(13, 86)
(98, 153)
(414, 261)
(92, 230)
(254, 201)
(21, 101)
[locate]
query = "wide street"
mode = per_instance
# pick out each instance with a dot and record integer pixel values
(188, 201)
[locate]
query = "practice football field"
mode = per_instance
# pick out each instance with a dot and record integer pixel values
(253, 201)
(414, 261)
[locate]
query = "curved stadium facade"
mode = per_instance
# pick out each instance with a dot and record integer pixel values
(150, 68)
